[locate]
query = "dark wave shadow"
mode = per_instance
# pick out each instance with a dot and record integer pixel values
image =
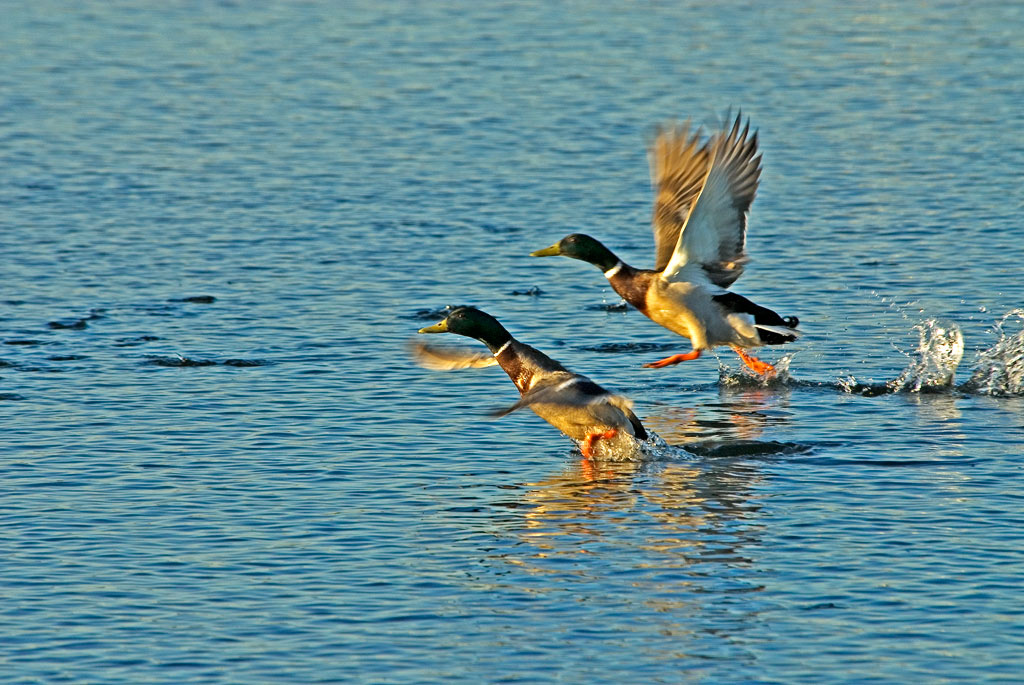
(183, 362)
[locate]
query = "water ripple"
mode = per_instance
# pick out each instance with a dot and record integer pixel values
(218, 465)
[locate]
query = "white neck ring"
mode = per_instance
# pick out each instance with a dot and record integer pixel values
(614, 270)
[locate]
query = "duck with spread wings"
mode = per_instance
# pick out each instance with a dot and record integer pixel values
(702, 196)
(601, 422)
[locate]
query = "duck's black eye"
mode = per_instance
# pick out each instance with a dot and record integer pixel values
(462, 314)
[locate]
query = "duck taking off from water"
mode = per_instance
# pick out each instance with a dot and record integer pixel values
(572, 403)
(702, 196)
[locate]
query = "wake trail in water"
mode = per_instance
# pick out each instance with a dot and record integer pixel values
(655, 449)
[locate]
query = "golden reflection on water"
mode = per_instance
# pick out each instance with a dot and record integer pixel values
(738, 415)
(669, 515)
(579, 506)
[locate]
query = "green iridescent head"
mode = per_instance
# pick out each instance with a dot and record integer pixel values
(583, 247)
(472, 323)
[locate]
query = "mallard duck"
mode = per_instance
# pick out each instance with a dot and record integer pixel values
(572, 403)
(702, 195)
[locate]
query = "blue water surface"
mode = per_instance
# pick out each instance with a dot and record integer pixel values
(220, 224)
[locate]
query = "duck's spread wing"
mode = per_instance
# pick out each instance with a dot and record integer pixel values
(572, 391)
(715, 233)
(678, 170)
(441, 358)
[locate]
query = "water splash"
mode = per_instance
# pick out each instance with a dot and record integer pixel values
(999, 370)
(654, 448)
(933, 365)
(744, 377)
(852, 386)
(996, 371)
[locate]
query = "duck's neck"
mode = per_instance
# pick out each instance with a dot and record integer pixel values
(621, 276)
(603, 258)
(631, 284)
(618, 271)
(495, 337)
(507, 354)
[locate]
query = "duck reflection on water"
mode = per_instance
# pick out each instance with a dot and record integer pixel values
(705, 507)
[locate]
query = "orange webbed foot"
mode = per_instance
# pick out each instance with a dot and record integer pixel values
(674, 359)
(588, 442)
(755, 364)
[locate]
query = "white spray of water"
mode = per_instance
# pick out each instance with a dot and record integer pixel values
(743, 377)
(999, 370)
(654, 448)
(933, 365)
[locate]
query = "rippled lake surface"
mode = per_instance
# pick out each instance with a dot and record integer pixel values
(221, 224)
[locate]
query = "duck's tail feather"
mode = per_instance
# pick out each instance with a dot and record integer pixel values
(772, 328)
(776, 335)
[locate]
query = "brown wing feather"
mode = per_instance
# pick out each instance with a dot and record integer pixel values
(678, 170)
(441, 358)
